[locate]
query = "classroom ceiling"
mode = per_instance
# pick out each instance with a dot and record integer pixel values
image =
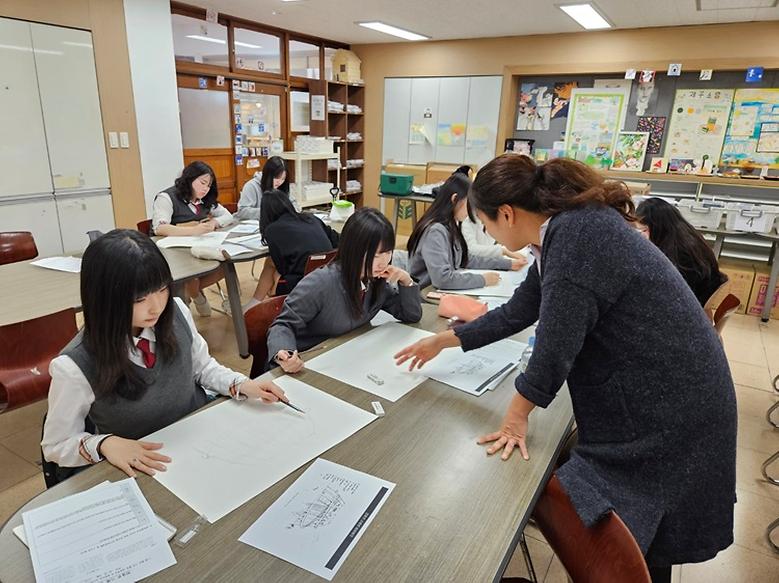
(456, 19)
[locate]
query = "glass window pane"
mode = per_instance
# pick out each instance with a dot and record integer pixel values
(257, 51)
(260, 121)
(300, 111)
(303, 59)
(205, 118)
(329, 54)
(199, 41)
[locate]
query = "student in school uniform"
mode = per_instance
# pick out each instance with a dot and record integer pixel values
(273, 177)
(291, 237)
(437, 251)
(345, 294)
(664, 225)
(652, 393)
(190, 208)
(138, 365)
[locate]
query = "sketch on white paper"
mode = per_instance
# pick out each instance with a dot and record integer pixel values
(509, 281)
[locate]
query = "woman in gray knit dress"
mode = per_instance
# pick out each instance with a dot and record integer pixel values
(651, 389)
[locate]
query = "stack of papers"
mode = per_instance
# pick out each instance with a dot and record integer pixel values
(68, 264)
(208, 240)
(509, 281)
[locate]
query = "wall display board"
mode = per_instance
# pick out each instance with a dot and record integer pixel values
(753, 134)
(699, 118)
(595, 117)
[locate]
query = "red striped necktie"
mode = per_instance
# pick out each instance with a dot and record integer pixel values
(149, 358)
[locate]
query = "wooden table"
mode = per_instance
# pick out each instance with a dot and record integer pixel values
(413, 198)
(29, 291)
(455, 514)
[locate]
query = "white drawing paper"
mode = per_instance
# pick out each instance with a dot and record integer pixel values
(699, 118)
(509, 281)
(367, 362)
(103, 534)
(317, 522)
(68, 264)
(229, 453)
(213, 239)
(383, 318)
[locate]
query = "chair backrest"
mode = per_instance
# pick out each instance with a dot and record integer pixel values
(145, 226)
(604, 553)
(317, 260)
(258, 319)
(232, 207)
(721, 305)
(17, 246)
(26, 349)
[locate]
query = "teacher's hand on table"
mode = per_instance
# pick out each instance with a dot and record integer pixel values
(426, 349)
(513, 430)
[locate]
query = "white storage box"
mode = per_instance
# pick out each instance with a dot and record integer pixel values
(313, 145)
(751, 218)
(704, 214)
(318, 192)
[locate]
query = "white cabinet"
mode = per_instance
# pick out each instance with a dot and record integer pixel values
(82, 212)
(24, 163)
(37, 215)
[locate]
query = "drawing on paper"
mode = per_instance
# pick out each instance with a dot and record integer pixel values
(318, 512)
(535, 107)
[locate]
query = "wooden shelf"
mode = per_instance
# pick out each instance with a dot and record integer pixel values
(302, 156)
(692, 178)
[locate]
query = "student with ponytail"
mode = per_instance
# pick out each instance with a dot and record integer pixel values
(652, 393)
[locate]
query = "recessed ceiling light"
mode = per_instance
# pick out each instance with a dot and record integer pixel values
(393, 30)
(586, 15)
(222, 42)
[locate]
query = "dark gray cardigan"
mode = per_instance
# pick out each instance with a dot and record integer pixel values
(651, 389)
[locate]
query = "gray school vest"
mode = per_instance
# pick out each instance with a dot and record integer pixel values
(181, 211)
(171, 393)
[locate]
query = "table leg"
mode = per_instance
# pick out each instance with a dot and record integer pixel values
(397, 214)
(718, 241)
(413, 215)
(234, 296)
(178, 290)
(770, 292)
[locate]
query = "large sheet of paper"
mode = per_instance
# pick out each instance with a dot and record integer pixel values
(476, 371)
(104, 534)
(68, 264)
(753, 135)
(509, 281)
(213, 239)
(699, 118)
(319, 519)
(367, 362)
(595, 117)
(229, 453)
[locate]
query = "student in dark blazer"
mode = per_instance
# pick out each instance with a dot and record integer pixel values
(291, 237)
(345, 294)
(664, 225)
(652, 392)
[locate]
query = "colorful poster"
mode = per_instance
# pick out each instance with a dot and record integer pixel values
(416, 134)
(535, 107)
(594, 120)
(477, 136)
(752, 139)
(699, 118)
(630, 151)
(656, 128)
(451, 134)
(561, 99)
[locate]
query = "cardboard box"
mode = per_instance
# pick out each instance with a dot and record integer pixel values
(440, 171)
(741, 275)
(418, 171)
(759, 293)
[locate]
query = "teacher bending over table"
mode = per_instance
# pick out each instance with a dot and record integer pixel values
(651, 389)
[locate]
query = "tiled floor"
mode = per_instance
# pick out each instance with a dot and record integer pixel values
(753, 352)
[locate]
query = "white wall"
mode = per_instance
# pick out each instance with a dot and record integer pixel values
(153, 71)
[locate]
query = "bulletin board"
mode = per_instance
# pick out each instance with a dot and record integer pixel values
(753, 134)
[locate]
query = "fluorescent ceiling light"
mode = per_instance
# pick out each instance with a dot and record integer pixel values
(586, 15)
(222, 42)
(393, 30)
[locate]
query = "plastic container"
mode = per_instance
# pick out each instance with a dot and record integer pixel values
(751, 218)
(702, 214)
(526, 354)
(396, 183)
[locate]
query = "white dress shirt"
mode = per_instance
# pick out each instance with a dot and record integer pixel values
(162, 211)
(70, 397)
(478, 240)
(536, 250)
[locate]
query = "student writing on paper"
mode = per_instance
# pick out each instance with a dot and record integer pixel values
(437, 250)
(652, 393)
(273, 177)
(664, 225)
(190, 207)
(138, 364)
(345, 294)
(291, 237)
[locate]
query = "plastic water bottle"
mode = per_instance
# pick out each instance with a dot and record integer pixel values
(525, 359)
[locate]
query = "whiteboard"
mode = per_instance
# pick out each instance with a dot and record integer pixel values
(440, 106)
(24, 165)
(65, 62)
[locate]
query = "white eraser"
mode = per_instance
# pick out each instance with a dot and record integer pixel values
(377, 408)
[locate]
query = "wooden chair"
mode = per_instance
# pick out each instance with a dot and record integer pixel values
(145, 226)
(258, 319)
(232, 207)
(26, 349)
(17, 246)
(317, 260)
(720, 306)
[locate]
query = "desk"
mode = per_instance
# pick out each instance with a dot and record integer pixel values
(31, 292)
(414, 198)
(719, 239)
(455, 514)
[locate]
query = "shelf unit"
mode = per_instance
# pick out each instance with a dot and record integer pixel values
(340, 124)
(299, 158)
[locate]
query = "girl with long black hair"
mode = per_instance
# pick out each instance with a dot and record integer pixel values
(138, 365)
(346, 294)
(273, 177)
(437, 250)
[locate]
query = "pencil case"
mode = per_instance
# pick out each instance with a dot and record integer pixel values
(461, 307)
